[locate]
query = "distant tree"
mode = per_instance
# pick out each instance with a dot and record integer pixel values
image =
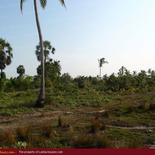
(112, 83)
(21, 70)
(66, 83)
(41, 98)
(66, 78)
(47, 50)
(81, 81)
(122, 71)
(134, 73)
(101, 62)
(142, 79)
(52, 70)
(5, 55)
(124, 78)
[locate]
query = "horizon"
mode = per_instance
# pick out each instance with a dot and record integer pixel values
(122, 32)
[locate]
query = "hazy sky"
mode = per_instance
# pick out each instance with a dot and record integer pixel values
(122, 31)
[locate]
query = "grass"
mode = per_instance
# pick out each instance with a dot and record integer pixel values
(124, 138)
(17, 102)
(55, 130)
(7, 138)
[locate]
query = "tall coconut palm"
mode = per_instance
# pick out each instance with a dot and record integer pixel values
(101, 62)
(41, 98)
(5, 55)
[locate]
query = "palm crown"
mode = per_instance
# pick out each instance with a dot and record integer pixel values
(102, 61)
(5, 54)
(47, 50)
(42, 2)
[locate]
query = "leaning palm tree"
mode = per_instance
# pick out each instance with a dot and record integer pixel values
(41, 98)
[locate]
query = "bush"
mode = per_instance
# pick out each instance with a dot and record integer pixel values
(152, 106)
(96, 125)
(46, 130)
(91, 141)
(23, 133)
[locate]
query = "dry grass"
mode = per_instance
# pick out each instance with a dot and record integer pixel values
(23, 133)
(96, 125)
(7, 137)
(46, 130)
(91, 141)
(63, 123)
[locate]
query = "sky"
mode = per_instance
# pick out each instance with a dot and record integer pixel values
(122, 31)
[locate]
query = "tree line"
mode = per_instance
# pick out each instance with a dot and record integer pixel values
(124, 80)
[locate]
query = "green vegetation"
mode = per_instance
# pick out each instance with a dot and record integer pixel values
(104, 119)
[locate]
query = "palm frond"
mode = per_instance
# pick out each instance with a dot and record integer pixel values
(21, 4)
(102, 61)
(43, 3)
(62, 2)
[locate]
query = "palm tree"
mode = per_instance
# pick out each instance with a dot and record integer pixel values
(101, 62)
(21, 70)
(47, 50)
(5, 55)
(41, 98)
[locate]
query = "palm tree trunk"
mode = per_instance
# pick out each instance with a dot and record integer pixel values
(1, 74)
(100, 73)
(41, 98)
